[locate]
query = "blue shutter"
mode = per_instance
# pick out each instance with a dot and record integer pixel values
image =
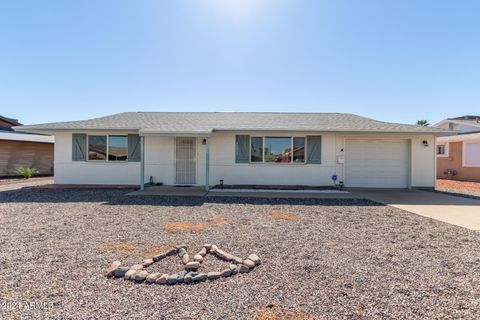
(79, 147)
(133, 148)
(242, 147)
(314, 149)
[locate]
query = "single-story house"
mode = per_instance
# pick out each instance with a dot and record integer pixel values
(458, 156)
(23, 150)
(202, 148)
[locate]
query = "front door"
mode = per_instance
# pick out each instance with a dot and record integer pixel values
(185, 160)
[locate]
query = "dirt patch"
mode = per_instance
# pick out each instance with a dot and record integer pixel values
(126, 249)
(218, 221)
(184, 226)
(275, 313)
(284, 216)
(155, 249)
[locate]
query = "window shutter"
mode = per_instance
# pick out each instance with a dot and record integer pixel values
(314, 149)
(133, 148)
(79, 147)
(242, 147)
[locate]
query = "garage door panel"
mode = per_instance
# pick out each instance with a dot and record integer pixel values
(376, 163)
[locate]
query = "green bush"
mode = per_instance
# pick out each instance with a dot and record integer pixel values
(27, 173)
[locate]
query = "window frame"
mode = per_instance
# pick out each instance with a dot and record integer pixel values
(107, 146)
(464, 154)
(445, 149)
(291, 137)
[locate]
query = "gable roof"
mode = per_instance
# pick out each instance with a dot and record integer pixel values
(206, 122)
(473, 121)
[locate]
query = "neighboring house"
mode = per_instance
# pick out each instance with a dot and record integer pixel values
(242, 149)
(458, 157)
(23, 150)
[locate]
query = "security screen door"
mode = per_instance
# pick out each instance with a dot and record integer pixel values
(185, 160)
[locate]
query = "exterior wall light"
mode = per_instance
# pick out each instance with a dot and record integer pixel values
(425, 143)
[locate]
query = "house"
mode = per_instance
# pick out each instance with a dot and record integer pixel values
(177, 148)
(458, 157)
(23, 150)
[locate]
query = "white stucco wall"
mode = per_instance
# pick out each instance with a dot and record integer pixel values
(223, 164)
(67, 171)
(160, 163)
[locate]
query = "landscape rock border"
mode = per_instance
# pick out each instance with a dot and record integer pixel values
(190, 274)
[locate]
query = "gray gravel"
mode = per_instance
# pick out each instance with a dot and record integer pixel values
(343, 259)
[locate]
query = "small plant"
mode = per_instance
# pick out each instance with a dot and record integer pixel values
(27, 173)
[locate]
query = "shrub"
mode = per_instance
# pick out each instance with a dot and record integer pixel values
(27, 173)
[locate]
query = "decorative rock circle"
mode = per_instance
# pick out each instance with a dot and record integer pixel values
(138, 274)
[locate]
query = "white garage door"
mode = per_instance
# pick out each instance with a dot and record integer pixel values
(377, 163)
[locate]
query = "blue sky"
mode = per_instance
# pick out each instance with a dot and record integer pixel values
(391, 60)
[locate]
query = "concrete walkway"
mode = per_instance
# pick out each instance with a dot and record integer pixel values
(460, 211)
(174, 191)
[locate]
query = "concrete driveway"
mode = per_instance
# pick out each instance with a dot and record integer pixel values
(460, 211)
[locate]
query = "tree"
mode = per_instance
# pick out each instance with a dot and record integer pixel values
(423, 123)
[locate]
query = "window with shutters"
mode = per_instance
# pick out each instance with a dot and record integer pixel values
(113, 148)
(270, 149)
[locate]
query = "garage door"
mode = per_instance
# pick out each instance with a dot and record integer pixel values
(377, 163)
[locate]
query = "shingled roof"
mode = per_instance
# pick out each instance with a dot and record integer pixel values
(206, 122)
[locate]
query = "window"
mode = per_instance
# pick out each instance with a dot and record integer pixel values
(298, 149)
(441, 150)
(97, 147)
(117, 147)
(256, 149)
(471, 154)
(277, 149)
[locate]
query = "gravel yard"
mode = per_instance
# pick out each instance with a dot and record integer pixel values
(463, 187)
(322, 259)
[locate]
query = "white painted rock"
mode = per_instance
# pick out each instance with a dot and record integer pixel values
(192, 265)
(147, 262)
(249, 263)
(255, 259)
(185, 258)
(203, 252)
(130, 275)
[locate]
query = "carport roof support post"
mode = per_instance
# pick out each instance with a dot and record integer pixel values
(207, 164)
(142, 162)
